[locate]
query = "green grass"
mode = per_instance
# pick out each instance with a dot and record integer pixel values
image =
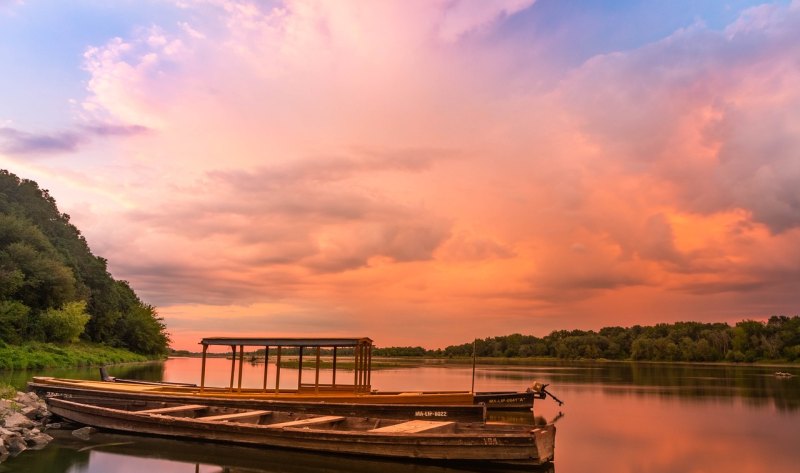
(34, 355)
(7, 391)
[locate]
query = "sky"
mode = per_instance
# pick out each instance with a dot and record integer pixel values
(422, 172)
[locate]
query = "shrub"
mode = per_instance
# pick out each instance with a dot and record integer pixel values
(66, 324)
(13, 321)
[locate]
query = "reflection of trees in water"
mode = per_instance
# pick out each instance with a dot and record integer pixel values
(152, 371)
(757, 385)
(54, 458)
(149, 371)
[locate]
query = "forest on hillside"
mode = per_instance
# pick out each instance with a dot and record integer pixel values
(749, 340)
(53, 289)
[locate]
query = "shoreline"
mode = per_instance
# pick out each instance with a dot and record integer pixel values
(40, 355)
(23, 422)
(514, 360)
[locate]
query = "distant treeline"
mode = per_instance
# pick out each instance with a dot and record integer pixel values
(53, 289)
(748, 340)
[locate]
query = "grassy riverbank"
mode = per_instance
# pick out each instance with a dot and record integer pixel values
(34, 355)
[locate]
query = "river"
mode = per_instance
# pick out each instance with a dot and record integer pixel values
(620, 417)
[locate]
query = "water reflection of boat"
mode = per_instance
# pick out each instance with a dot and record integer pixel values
(356, 390)
(783, 374)
(149, 453)
(430, 440)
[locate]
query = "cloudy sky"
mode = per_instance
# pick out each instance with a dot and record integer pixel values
(419, 171)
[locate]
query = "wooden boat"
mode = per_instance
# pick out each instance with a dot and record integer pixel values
(92, 392)
(359, 391)
(430, 440)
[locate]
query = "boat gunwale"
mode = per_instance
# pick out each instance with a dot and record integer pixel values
(43, 381)
(523, 431)
(152, 395)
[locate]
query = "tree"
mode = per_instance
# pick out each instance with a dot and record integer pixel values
(46, 263)
(143, 331)
(13, 321)
(31, 270)
(65, 324)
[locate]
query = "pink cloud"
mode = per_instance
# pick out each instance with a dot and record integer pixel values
(322, 157)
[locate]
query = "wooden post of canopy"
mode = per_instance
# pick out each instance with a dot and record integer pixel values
(278, 371)
(474, 357)
(233, 365)
(368, 368)
(241, 365)
(358, 367)
(203, 369)
(300, 369)
(316, 380)
(363, 365)
(362, 357)
(266, 366)
(356, 351)
(333, 381)
(364, 368)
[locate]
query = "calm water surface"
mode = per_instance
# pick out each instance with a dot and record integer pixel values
(620, 417)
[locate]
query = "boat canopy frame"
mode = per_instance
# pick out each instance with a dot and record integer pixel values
(362, 349)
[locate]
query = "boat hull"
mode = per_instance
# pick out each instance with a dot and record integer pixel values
(127, 399)
(494, 400)
(531, 446)
(507, 400)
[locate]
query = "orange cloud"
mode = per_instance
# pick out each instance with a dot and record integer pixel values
(386, 169)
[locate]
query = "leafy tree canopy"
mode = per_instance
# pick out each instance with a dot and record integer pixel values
(748, 340)
(53, 288)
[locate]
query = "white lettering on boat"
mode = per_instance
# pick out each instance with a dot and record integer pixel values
(506, 400)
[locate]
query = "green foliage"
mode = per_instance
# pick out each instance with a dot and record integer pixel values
(11, 279)
(31, 270)
(13, 321)
(144, 329)
(777, 339)
(7, 391)
(36, 355)
(46, 264)
(399, 351)
(66, 324)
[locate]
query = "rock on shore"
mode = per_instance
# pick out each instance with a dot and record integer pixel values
(22, 421)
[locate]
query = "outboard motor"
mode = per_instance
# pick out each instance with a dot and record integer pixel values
(541, 390)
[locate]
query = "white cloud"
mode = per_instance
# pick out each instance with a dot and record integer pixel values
(462, 17)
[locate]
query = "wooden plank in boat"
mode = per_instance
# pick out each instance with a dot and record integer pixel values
(413, 427)
(173, 409)
(235, 416)
(306, 422)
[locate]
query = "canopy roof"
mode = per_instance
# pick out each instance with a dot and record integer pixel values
(287, 342)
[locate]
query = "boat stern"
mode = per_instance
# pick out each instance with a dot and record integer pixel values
(545, 439)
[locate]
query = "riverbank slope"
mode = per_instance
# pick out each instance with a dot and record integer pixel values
(36, 355)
